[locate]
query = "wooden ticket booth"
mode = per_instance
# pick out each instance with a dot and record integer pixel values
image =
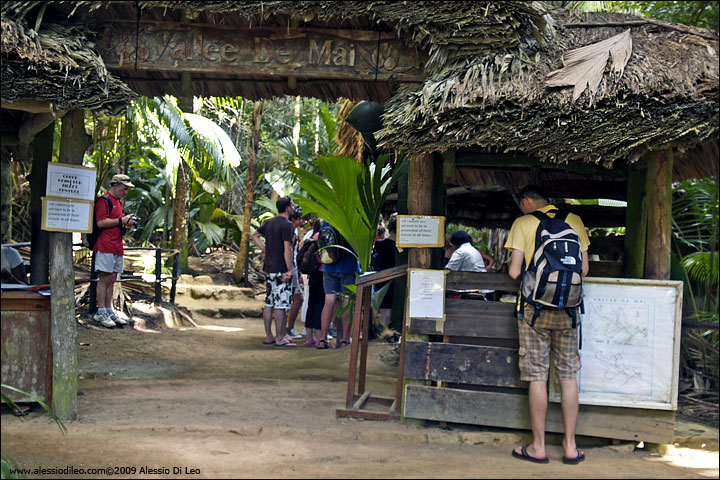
(26, 345)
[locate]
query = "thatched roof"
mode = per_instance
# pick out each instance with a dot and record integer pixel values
(447, 31)
(56, 65)
(499, 101)
(487, 64)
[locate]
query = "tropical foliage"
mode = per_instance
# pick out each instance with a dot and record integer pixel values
(695, 257)
(350, 197)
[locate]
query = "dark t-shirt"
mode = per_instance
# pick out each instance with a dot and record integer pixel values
(386, 250)
(276, 231)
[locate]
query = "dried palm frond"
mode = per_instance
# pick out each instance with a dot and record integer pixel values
(584, 66)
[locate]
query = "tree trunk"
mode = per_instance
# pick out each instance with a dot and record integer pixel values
(73, 143)
(659, 228)
(39, 251)
(182, 194)
(253, 146)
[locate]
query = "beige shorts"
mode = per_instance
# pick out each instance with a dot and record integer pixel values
(551, 336)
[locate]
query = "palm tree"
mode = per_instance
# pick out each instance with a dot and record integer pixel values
(194, 143)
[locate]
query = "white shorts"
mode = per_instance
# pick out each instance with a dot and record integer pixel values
(108, 262)
(278, 294)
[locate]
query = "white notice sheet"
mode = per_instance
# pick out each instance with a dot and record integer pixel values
(426, 295)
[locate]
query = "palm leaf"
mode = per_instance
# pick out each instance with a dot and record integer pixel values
(584, 66)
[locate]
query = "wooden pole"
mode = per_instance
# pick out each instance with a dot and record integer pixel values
(420, 195)
(659, 230)
(6, 196)
(39, 252)
(635, 224)
(63, 333)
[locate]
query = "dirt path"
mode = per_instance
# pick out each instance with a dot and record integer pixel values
(214, 399)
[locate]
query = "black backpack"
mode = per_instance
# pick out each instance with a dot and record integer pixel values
(90, 239)
(553, 280)
(306, 259)
(328, 240)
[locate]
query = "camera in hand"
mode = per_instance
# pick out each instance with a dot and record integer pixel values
(134, 221)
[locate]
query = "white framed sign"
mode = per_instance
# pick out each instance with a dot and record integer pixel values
(420, 231)
(70, 181)
(630, 351)
(67, 215)
(426, 293)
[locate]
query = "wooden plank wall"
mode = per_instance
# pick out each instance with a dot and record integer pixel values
(470, 366)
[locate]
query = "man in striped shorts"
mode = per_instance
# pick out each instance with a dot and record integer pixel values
(552, 335)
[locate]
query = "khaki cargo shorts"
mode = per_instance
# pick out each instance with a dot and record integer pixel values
(552, 336)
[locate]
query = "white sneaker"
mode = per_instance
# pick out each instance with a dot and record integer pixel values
(293, 334)
(117, 317)
(104, 320)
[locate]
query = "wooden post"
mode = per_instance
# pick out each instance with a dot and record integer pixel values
(635, 224)
(659, 230)
(158, 276)
(39, 252)
(73, 143)
(6, 196)
(397, 318)
(420, 195)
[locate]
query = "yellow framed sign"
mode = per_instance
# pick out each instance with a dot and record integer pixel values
(420, 231)
(67, 215)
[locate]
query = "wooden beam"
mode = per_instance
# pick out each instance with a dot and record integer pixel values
(512, 411)
(481, 281)
(659, 229)
(458, 363)
(471, 318)
(259, 50)
(507, 160)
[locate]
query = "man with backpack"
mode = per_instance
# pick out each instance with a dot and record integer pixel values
(339, 269)
(109, 251)
(549, 249)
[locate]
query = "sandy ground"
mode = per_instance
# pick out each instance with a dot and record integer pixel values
(214, 402)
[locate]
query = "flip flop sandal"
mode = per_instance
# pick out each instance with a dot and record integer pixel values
(324, 345)
(524, 455)
(268, 343)
(286, 344)
(574, 461)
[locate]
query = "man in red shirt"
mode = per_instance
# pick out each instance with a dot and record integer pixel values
(109, 248)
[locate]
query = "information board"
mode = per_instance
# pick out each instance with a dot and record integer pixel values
(420, 231)
(70, 181)
(630, 343)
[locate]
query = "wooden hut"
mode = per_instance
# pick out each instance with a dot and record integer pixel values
(466, 86)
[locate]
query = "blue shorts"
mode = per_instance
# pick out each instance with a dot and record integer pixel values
(334, 282)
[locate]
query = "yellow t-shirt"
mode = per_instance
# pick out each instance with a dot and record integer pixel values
(522, 233)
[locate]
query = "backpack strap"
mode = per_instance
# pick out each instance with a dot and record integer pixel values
(536, 314)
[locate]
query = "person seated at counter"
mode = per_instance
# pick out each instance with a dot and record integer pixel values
(13, 268)
(467, 258)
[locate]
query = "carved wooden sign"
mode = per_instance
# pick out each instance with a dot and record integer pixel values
(266, 51)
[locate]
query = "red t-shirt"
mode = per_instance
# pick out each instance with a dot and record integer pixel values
(110, 239)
